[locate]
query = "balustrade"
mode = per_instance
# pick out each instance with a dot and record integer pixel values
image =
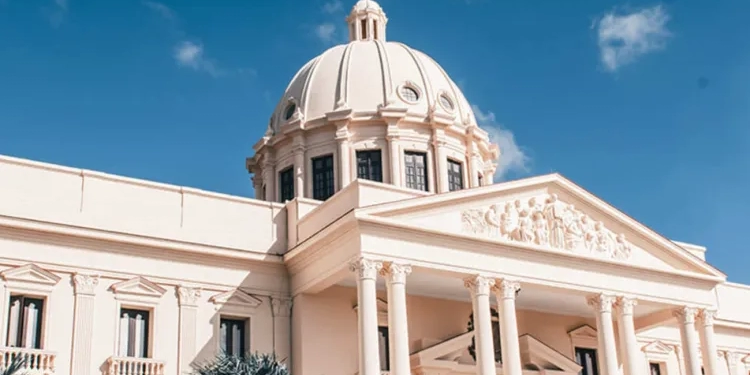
(134, 366)
(38, 362)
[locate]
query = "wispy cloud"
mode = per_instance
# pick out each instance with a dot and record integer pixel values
(190, 54)
(326, 32)
(625, 37)
(512, 156)
(332, 7)
(161, 9)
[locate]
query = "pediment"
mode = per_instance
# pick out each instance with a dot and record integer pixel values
(30, 274)
(657, 347)
(536, 354)
(236, 298)
(138, 286)
(550, 213)
(585, 331)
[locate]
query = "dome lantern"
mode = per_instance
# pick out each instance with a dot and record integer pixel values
(366, 21)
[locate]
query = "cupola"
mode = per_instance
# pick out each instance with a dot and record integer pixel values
(366, 21)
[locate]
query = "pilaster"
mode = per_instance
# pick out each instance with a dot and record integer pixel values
(282, 326)
(188, 320)
(83, 323)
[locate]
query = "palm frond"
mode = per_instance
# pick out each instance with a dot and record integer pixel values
(14, 367)
(248, 364)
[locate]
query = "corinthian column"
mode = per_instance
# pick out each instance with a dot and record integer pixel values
(505, 292)
(628, 341)
(479, 287)
(369, 352)
(398, 328)
(83, 323)
(686, 319)
(188, 319)
(607, 353)
(708, 343)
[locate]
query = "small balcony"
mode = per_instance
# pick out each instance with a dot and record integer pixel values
(134, 366)
(38, 362)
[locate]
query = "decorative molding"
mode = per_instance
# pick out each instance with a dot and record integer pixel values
(30, 277)
(236, 298)
(602, 303)
(685, 315)
(282, 307)
(479, 285)
(706, 317)
(657, 347)
(546, 221)
(188, 296)
(139, 290)
(584, 336)
(626, 305)
(395, 273)
(85, 284)
(365, 268)
(506, 289)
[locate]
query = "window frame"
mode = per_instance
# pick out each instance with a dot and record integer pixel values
(235, 304)
(288, 170)
(594, 357)
(40, 324)
(245, 322)
(138, 293)
(425, 156)
(149, 328)
(313, 174)
(368, 153)
(462, 173)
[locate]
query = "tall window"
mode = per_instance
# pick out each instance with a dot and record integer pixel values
(233, 337)
(286, 184)
(370, 165)
(416, 170)
(322, 169)
(587, 359)
(455, 175)
(383, 347)
(134, 333)
(25, 322)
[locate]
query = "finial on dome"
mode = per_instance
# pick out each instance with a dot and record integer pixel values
(366, 21)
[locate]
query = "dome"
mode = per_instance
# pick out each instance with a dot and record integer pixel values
(369, 73)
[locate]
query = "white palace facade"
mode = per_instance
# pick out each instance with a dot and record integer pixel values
(378, 243)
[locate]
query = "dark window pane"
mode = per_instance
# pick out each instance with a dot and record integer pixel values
(587, 359)
(286, 184)
(481, 178)
(25, 316)
(134, 331)
(383, 343)
(233, 338)
(322, 168)
(369, 165)
(416, 170)
(655, 368)
(455, 175)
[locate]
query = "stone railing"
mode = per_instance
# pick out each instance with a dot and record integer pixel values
(134, 366)
(38, 362)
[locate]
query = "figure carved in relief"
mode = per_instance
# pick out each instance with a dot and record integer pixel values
(573, 229)
(622, 248)
(525, 230)
(541, 229)
(554, 211)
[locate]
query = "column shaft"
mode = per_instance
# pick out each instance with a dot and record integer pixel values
(369, 351)
(686, 319)
(479, 287)
(708, 342)
(505, 292)
(83, 323)
(299, 172)
(628, 341)
(607, 352)
(398, 328)
(282, 329)
(342, 137)
(188, 323)
(395, 160)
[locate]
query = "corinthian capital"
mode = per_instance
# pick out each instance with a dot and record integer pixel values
(506, 289)
(395, 273)
(685, 314)
(188, 296)
(365, 268)
(85, 284)
(706, 317)
(479, 285)
(626, 305)
(601, 302)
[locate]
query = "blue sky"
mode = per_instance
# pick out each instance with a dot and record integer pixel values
(643, 103)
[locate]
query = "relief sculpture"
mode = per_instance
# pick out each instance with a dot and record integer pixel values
(546, 222)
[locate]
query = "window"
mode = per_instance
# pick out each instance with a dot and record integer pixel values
(375, 29)
(286, 184)
(369, 165)
(290, 109)
(134, 333)
(481, 179)
(446, 102)
(25, 322)
(409, 94)
(587, 359)
(455, 176)
(416, 170)
(655, 368)
(233, 337)
(364, 29)
(322, 168)
(383, 347)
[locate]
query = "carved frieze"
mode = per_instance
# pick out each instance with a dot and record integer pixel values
(546, 221)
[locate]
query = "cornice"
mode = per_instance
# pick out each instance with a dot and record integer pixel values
(308, 250)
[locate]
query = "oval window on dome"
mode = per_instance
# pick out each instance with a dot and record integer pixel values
(290, 111)
(446, 102)
(409, 94)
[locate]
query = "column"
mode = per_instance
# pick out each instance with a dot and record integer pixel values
(441, 170)
(607, 352)
(732, 358)
(342, 138)
(83, 323)
(282, 329)
(188, 319)
(299, 171)
(369, 352)
(395, 160)
(269, 177)
(505, 292)
(708, 343)
(479, 286)
(628, 341)
(398, 327)
(686, 320)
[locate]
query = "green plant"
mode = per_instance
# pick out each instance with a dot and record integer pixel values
(15, 366)
(249, 364)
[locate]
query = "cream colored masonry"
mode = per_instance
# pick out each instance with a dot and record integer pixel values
(370, 257)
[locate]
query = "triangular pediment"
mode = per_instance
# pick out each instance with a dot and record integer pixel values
(657, 347)
(138, 286)
(236, 298)
(584, 331)
(536, 354)
(547, 212)
(30, 274)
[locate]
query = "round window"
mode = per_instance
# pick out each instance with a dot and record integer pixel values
(409, 94)
(290, 111)
(446, 102)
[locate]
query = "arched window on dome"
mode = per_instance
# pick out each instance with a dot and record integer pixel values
(364, 29)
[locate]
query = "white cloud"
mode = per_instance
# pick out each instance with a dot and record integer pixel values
(191, 55)
(512, 157)
(162, 9)
(623, 38)
(326, 32)
(333, 7)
